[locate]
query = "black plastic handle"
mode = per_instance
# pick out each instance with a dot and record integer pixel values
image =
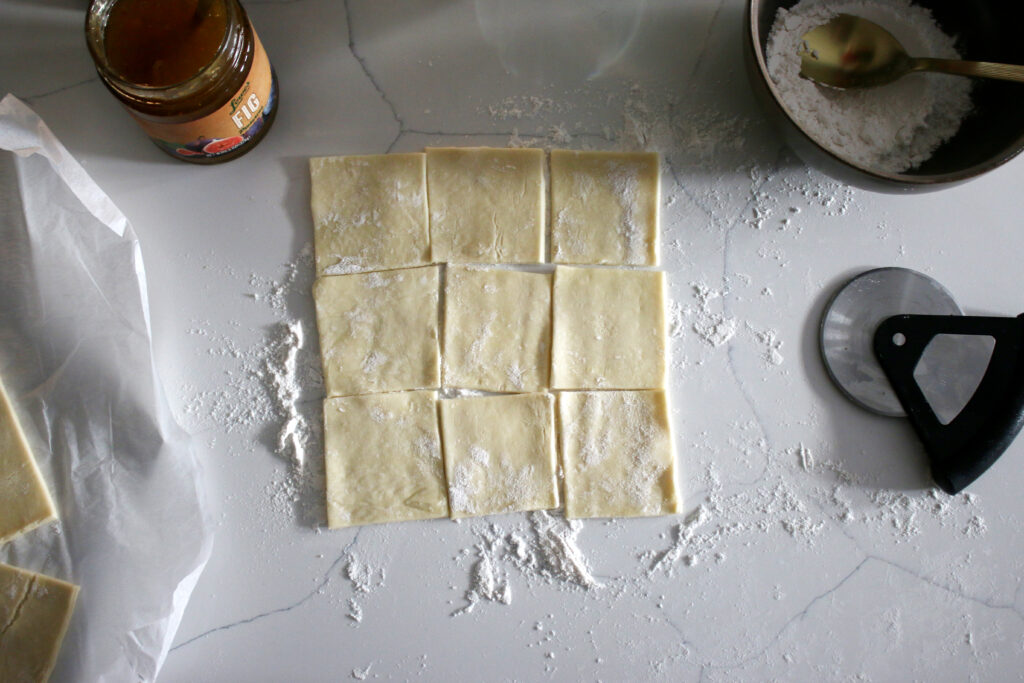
(963, 449)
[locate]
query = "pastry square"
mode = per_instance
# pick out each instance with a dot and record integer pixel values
(617, 454)
(378, 331)
(604, 207)
(486, 205)
(24, 499)
(497, 329)
(609, 329)
(369, 212)
(34, 614)
(383, 459)
(499, 453)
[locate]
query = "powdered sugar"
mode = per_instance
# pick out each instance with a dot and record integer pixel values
(891, 128)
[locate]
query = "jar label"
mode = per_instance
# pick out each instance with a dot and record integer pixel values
(226, 130)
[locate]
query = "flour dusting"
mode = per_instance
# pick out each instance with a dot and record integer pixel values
(543, 549)
(271, 389)
(711, 326)
(364, 579)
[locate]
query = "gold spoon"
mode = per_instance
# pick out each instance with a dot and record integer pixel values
(852, 52)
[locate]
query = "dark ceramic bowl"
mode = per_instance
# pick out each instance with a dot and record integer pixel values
(990, 136)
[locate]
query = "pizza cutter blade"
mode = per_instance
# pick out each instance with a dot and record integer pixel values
(851, 318)
(896, 343)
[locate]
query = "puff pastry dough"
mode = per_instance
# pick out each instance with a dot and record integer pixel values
(383, 459)
(497, 329)
(486, 205)
(378, 331)
(24, 500)
(604, 207)
(617, 454)
(34, 615)
(609, 329)
(369, 212)
(499, 453)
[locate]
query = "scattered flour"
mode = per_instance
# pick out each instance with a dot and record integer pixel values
(676, 319)
(712, 327)
(345, 266)
(271, 388)
(488, 579)
(526, 107)
(543, 549)
(799, 497)
(281, 371)
(771, 345)
(364, 579)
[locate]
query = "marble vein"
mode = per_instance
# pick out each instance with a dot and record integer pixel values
(405, 130)
(399, 121)
(316, 590)
(1012, 607)
(803, 612)
(35, 97)
(727, 238)
(797, 617)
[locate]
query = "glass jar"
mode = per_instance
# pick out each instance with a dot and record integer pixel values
(192, 73)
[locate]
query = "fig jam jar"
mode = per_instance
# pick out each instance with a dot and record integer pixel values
(192, 73)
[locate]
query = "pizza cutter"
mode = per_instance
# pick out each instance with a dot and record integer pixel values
(895, 343)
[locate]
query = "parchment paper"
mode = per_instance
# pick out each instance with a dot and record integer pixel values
(77, 359)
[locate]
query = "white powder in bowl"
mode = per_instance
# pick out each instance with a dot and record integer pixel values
(891, 128)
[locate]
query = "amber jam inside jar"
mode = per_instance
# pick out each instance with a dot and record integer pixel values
(192, 73)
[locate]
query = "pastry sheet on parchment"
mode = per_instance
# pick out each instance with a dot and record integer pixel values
(76, 357)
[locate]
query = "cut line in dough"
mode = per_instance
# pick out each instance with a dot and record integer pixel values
(34, 614)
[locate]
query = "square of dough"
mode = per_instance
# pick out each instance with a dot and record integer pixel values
(497, 329)
(499, 453)
(486, 205)
(604, 207)
(609, 329)
(24, 499)
(369, 212)
(383, 459)
(34, 614)
(378, 331)
(617, 454)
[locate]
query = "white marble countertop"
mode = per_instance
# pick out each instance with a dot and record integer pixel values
(820, 552)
